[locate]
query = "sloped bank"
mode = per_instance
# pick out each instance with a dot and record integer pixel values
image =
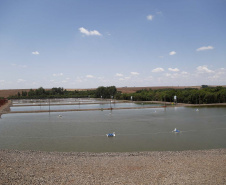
(184, 167)
(5, 108)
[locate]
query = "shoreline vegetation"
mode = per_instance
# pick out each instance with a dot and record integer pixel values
(193, 95)
(168, 167)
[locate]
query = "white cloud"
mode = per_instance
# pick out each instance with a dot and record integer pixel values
(79, 79)
(203, 69)
(205, 48)
(89, 76)
(58, 74)
(219, 75)
(134, 73)
(184, 73)
(172, 53)
(19, 66)
(89, 33)
(125, 78)
(35, 53)
(118, 74)
(174, 75)
(173, 70)
(159, 69)
(150, 17)
(20, 80)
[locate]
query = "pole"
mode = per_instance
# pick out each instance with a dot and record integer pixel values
(49, 106)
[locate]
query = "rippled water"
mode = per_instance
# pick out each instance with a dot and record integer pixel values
(136, 130)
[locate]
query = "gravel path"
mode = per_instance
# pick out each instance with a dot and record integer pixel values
(184, 167)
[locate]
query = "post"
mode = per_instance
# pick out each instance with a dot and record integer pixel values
(175, 99)
(49, 106)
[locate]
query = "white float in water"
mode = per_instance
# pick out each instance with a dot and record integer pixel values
(60, 116)
(176, 131)
(197, 110)
(111, 134)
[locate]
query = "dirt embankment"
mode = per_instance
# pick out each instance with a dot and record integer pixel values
(11, 92)
(183, 167)
(5, 108)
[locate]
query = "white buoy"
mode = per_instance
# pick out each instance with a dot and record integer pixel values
(176, 131)
(60, 116)
(197, 110)
(111, 134)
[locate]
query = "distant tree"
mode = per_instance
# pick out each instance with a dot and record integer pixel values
(204, 86)
(40, 91)
(24, 93)
(105, 92)
(31, 93)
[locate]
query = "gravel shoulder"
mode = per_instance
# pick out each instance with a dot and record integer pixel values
(180, 167)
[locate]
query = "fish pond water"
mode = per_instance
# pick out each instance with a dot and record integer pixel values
(136, 130)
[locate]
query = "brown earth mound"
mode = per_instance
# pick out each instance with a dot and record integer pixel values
(11, 92)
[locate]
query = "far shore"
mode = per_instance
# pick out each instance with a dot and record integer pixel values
(163, 105)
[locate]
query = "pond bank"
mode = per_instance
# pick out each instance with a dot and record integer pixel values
(182, 167)
(5, 108)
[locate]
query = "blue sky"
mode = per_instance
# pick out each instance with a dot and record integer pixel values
(91, 43)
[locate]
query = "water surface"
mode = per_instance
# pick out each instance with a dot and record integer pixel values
(136, 130)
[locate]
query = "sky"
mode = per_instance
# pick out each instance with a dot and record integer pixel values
(92, 43)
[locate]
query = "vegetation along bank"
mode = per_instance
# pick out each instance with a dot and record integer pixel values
(204, 95)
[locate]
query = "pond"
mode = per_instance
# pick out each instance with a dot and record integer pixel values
(82, 106)
(136, 130)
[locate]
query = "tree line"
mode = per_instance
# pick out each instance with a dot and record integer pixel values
(55, 92)
(40, 93)
(205, 95)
